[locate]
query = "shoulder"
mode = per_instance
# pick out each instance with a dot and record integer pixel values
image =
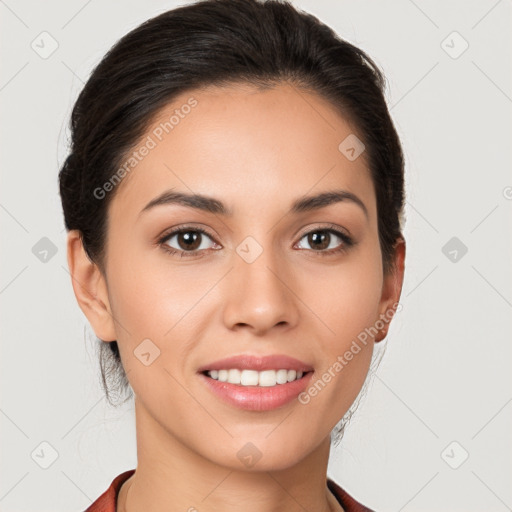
(348, 503)
(108, 500)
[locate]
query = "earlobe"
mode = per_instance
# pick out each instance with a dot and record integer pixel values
(391, 290)
(90, 288)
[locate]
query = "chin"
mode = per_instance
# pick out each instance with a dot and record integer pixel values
(261, 453)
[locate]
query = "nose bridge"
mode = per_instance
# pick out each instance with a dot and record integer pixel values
(258, 293)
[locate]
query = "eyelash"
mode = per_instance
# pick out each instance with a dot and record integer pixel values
(347, 241)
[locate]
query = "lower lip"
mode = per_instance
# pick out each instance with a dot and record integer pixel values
(257, 398)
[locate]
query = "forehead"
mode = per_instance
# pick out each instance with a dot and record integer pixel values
(242, 143)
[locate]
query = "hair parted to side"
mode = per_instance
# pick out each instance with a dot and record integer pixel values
(219, 42)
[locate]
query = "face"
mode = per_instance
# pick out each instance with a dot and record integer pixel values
(246, 275)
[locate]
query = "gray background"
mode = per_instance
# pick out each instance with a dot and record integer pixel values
(445, 376)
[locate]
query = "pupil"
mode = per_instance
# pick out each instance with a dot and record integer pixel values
(190, 236)
(319, 236)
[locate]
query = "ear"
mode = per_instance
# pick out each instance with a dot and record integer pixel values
(391, 290)
(90, 288)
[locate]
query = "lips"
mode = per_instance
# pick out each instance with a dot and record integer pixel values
(257, 398)
(258, 363)
(274, 392)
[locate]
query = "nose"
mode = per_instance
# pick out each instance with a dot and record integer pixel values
(259, 295)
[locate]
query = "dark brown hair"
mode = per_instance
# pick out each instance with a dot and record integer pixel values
(219, 42)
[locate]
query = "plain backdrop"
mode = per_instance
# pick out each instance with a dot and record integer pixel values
(433, 432)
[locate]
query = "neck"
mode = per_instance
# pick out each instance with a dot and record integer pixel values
(172, 477)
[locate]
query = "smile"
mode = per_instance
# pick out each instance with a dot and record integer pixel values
(264, 378)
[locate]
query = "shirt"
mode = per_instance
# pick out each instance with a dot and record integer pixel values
(107, 502)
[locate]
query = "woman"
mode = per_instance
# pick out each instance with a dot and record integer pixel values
(233, 196)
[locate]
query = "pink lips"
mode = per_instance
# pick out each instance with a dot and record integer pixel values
(258, 363)
(257, 398)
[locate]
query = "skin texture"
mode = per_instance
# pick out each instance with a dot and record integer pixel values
(256, 151)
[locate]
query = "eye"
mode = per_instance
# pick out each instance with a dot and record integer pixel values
(189, 241)
(192, 241)
(323, 241)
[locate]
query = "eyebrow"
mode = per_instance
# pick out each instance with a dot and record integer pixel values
(212, 205)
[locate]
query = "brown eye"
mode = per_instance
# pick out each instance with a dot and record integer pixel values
(186, 240)
(319, 239)
(327, 241)
(189, 240)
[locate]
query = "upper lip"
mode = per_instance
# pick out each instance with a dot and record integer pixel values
(258, 363)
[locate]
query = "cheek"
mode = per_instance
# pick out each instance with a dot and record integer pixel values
(154, 321)
(155, 300)
(346, 299)
(149, 295)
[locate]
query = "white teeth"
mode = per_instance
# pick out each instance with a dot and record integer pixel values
(268, 378)
(264, 378)
(248, 378)
(281, 376)
(234, 376)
